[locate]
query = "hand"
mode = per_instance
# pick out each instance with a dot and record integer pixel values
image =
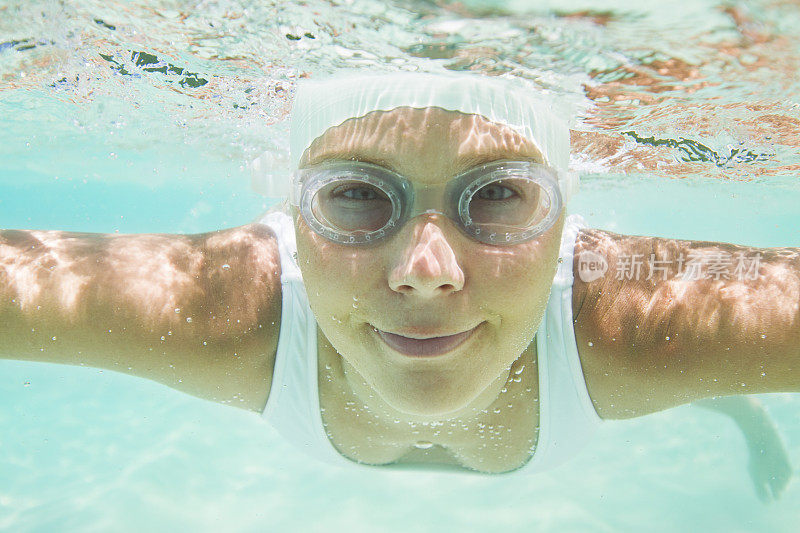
(768, 464)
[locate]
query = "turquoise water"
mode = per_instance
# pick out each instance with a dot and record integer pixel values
(142, 117)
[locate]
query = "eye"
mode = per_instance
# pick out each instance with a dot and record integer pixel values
(356, 192)
(495, 191)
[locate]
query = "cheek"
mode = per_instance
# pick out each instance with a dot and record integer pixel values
(516, 283)
(334, 274)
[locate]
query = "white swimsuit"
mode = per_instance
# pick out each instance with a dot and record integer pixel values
(566, 415)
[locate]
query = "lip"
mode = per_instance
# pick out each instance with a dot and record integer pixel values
(427, 346)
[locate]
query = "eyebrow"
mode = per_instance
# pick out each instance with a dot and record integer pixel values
(462, 165)
(353, 156)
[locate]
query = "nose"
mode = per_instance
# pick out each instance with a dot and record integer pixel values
(428, 266)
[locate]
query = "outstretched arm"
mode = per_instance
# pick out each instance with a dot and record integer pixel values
(697, 319)
(768, 464)
(199, 313)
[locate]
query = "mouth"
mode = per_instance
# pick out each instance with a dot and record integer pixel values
(424, 347)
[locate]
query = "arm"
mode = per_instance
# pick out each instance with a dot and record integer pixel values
(199, 313)
(769, 465)
(653, 342)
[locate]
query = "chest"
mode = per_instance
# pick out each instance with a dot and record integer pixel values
(497, 438)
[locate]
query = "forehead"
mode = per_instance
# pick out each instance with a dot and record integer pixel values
(427, 145)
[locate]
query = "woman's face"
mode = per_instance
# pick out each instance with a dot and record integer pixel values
(384, 304)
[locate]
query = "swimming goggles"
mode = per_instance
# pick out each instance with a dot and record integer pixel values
(357, 203)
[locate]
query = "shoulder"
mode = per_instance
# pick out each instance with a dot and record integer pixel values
(242, 298)
(618, 316)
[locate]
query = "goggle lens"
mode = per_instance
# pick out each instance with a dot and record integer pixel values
(352, 206)
(509, 204)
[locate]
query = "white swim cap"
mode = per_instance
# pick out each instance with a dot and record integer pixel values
(322, 104)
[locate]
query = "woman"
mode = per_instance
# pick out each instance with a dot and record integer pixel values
(438, 317)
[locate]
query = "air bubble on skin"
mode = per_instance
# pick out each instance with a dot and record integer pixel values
(163, 338)
(188, 319)
(54, 337)
(519, 371)
(763, 336)
(226, 266)
(177, 310)
(667, 337)
(423, 444)
(591, 343)
(496, 410)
